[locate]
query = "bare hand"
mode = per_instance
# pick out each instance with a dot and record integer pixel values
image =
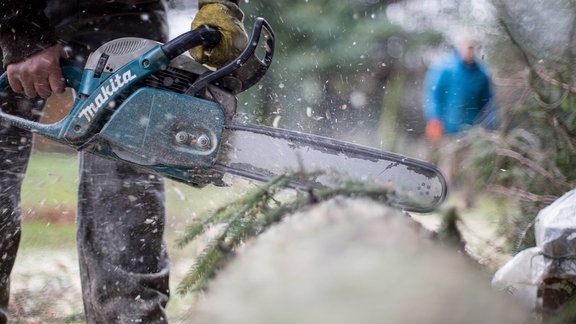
(39, 74)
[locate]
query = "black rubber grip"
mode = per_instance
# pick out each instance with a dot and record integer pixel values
(205, 35)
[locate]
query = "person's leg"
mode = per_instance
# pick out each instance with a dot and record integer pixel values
(15, 148)
(120, 217)
(123, 259)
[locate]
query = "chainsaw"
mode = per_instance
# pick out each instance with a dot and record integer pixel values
(151, 105)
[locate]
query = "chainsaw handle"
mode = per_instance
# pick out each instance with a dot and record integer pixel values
(204, 35)
(72, 76)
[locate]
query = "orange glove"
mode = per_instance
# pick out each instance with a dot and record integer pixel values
(434, 130)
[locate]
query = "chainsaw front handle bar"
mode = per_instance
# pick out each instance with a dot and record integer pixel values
(205, 35)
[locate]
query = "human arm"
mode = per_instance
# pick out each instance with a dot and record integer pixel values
(432, 104)
(226, 16)
(30, 53)
(24, 29)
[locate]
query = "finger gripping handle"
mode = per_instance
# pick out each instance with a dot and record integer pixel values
(72, 76)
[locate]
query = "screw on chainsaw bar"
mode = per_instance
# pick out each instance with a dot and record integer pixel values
(203, 141)
(182, 137)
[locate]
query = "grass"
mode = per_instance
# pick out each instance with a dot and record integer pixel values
(52, 179)
(50, 188)
(40, 234)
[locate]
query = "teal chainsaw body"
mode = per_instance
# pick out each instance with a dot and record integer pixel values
(173, 131)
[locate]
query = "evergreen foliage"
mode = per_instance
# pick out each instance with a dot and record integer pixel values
(531, 162)
(257, 210)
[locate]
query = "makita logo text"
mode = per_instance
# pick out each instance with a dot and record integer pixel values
(106, 91)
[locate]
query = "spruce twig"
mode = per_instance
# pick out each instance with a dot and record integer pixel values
(224, 213)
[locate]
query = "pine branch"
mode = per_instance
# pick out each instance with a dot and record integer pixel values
(192, 231)
(204, 268)
(228, 211)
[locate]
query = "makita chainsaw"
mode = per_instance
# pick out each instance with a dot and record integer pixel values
(150, 105)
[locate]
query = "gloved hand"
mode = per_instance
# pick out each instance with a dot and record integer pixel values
(228, 19)
(434, 130)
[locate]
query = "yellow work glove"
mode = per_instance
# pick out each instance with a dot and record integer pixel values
(228, 19)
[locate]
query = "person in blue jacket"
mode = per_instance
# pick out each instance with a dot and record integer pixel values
(457, 93)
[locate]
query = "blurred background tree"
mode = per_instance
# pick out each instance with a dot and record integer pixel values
(339, 69)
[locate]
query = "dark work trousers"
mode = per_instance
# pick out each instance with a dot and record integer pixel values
(120, 213)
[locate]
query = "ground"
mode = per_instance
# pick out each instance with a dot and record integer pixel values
(46, 286)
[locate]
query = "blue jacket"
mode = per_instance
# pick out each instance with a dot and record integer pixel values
(458, 94)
